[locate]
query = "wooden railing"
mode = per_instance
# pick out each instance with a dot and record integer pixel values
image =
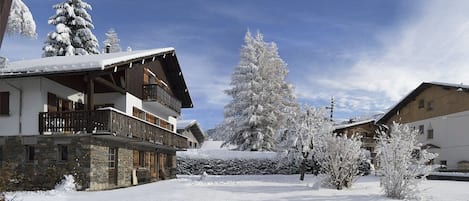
(154, 92)
(107, 122)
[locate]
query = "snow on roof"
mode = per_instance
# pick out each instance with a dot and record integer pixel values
(353, 124)
(183, 124)
(76, 63)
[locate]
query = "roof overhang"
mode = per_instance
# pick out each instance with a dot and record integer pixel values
(82, 64)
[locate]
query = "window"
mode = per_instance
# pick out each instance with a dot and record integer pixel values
(430, 106)
(30, 152)
(4, 103)
(141, 158)
(1, 155)
(421, 129)
(112, 157)
(443, 164)
(62, 153)
(430, 134)
(421, 103)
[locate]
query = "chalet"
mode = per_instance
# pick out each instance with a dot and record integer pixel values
(366, 129)
(440, 112)
(193, 132)
(110, 119)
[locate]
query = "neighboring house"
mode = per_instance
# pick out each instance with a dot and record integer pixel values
(440, 112)
(366, 129)
(193, 132)
(108, 119)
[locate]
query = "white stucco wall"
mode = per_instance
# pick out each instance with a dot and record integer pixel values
(33, 91)
(117, 99)
(451, 134)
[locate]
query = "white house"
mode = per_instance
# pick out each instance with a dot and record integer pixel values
(440, 111)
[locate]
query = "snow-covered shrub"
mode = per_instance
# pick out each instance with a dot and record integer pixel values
(339, 157)
(67, 184)
(402, 162)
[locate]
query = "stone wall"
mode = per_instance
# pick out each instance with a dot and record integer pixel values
(125, 167)
(47, 169)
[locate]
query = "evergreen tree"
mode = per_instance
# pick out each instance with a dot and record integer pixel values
(112, 41)
(73, 34)
(259, 95)
(21, 20)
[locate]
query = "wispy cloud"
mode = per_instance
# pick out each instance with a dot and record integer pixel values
(432, 45)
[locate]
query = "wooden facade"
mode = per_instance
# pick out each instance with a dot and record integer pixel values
(429, 100)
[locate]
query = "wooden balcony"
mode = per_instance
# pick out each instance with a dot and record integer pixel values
(107, 121)
(154, 92)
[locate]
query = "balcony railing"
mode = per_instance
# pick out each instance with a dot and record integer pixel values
(154, 92)
(107, 121)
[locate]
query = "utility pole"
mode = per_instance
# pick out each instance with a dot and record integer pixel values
(5, 6)
(331, 108)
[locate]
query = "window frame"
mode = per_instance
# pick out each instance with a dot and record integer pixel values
(4, 103)
(62, 152)
(421, 103)
(30, 153)
(112, 154)
(432, 135)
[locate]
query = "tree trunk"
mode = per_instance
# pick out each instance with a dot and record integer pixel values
(303, 166)
(302, 169)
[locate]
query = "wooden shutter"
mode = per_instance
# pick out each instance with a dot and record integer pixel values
(5, 103)
(136, 158)
(51, 102)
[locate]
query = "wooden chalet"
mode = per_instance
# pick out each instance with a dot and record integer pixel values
(108, 119)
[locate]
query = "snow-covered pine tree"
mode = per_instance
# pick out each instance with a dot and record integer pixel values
(73, 34)
(21, 20)
(112, 41)
(258, 92)
(402, 162)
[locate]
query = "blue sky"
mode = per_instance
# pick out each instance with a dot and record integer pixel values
(365, 53)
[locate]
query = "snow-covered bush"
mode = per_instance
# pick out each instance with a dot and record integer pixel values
(67, 184)
(402, 162)
(339, 157)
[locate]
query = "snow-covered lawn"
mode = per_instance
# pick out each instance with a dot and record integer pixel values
(247, 187)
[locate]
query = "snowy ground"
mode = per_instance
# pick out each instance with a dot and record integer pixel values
(257, 187)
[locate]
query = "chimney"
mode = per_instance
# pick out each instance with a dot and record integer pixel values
(107, 49)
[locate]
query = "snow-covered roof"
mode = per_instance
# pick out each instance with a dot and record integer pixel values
(60, 64)
(194, 127)
(183, 124)
(406, 99)
(341, 126)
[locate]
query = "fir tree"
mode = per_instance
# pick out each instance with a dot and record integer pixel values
(73, 34)
(259, 94)
(112, 41)
(21, 20)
